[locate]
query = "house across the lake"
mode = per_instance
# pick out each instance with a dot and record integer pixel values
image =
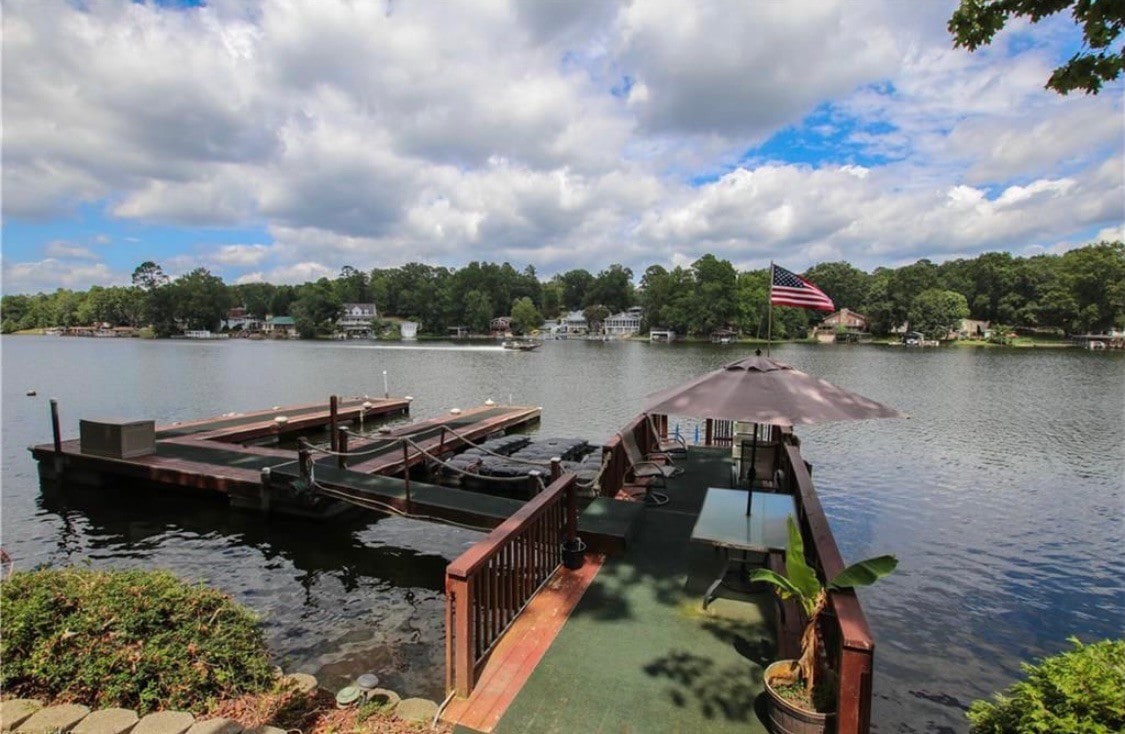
(843, 326)
(624, 323)
(356, 319)
(280, 327)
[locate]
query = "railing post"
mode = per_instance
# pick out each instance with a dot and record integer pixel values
(342, 447)
(708, 431)
(441, 442)
(333, 408)
(464, 637)
(853, 713)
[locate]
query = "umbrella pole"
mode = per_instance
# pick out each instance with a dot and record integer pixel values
(753, 471)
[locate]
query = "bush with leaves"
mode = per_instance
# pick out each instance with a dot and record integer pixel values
(1080, 690)
(136, 639)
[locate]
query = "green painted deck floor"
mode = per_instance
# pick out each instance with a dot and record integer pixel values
(639, 654)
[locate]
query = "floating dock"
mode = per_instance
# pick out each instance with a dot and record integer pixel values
(241, 456)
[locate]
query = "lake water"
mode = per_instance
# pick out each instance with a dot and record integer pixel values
(1002, 495)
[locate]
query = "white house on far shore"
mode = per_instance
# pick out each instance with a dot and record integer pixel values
(624, 323)
(355, 320)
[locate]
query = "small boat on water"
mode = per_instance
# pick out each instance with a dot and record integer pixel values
(520, 345)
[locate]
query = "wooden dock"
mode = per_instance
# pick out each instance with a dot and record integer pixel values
(226, 456)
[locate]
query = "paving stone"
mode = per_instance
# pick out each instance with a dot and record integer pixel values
(416, 709)
(215, 726)
(302, 682)
(15, 711)
(385, 697)
(54, 719)
(107, 721)
(165, 722)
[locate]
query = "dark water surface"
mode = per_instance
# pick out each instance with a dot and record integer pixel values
(1002, 496)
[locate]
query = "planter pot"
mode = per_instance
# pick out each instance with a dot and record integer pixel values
(573, 553)
(783, 717)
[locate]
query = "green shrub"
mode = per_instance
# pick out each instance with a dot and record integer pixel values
(137, 639)
(1081, 690)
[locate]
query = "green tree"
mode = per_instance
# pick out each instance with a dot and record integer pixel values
(525, 317)
(595, 316)
(937, 312)
(976, 22)
(613, 288)
(201, 299)
(716, 294)
(845, 284)
(576, 284)
(478, 311)
(351, 286)
(316, 307)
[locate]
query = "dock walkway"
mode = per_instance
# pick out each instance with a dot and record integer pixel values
(637, 653)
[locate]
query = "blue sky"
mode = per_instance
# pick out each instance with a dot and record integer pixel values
(282, 141)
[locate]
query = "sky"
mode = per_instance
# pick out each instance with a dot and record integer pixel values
(280, 141)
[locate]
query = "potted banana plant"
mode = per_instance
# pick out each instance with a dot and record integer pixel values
(801, 692)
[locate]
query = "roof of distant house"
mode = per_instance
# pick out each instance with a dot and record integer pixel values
(281, 320)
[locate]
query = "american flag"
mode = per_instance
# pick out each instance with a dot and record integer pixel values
(790, 289)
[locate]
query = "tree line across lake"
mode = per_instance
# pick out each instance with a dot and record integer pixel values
(1079, 291)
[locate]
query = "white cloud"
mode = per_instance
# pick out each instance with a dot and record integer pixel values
(562, 134)
(241, 255)
(50, 274)
(68, 251)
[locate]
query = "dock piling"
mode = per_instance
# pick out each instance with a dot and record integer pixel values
(406, 472)
(56, 435)
(303, 461)
(333, 419)
(342, 447)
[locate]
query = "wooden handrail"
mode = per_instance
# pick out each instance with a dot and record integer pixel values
(490, 584)
(854, 651)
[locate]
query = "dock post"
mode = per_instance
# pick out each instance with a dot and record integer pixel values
(406, 473)
(441, 442)
(342, 447)
(303, 461)
(709, 430)
(56, 435)
(264, 490)
(333, 408)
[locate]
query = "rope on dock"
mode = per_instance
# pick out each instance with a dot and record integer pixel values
(480, 447)
(464, 472)
(378, 506)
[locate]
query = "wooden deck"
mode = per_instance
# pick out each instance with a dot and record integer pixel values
(521, 648)
(213, 456)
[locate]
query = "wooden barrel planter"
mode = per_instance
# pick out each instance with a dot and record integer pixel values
(786, 718)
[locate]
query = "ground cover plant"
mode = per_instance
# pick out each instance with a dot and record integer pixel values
(137, 639)
(1080, 690)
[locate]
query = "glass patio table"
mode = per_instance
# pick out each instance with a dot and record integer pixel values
(724, 523)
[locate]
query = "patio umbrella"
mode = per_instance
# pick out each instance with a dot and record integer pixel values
(762, 390)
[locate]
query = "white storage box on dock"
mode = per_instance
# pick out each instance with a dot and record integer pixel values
(117, 439)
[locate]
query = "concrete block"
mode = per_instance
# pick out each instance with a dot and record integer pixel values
(15, 711)
(107, 721)
(54, 719)
(165, 722)
(416, 709)
(215, 726)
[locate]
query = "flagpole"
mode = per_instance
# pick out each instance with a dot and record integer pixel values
(769, 312)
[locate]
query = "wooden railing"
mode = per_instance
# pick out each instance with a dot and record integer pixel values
(613, 478)
(848, 641)
(489, 585)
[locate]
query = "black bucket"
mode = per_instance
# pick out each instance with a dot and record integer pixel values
(573, 553)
